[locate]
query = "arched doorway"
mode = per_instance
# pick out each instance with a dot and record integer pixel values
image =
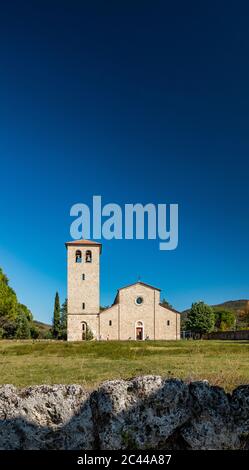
(139, 329)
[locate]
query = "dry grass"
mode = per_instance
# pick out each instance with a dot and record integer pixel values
(223, 363)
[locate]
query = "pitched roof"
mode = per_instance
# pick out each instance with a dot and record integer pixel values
(134, 284)
(142, 284)
(116, 300)
(169, 308)
(83, 243)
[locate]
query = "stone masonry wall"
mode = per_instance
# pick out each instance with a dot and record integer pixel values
(146, 412)
(158, 322)
(79, 290)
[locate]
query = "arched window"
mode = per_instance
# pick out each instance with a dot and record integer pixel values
(88, 256)
(78, 256)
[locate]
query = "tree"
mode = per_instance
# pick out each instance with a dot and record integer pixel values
(8, 299)
(12, 312)
(34, 331)
(89, 334)
(7, 328)
(224, 319)
(201, 318)
(25, 311)
(63, 320)
(166, 304)
(48, 334)
(22, 326)
(56, 317)
(243, 316)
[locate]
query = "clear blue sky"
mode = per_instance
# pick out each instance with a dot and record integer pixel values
(137, 102)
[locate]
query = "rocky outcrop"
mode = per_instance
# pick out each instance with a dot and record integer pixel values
(146, 412)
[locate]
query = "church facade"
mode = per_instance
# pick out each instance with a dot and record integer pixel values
(136, 313)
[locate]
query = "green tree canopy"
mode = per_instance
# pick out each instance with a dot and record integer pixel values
(224, 319)
(8, 299)
(201, 318)
(22, 326)
(15, 318)
(166, 304)
(89, 334)
(25, 310)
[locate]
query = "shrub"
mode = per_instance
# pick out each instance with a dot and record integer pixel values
(22, 327)
(201, 318)
(89, 334)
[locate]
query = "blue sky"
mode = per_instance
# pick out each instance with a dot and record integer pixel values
(136, 102)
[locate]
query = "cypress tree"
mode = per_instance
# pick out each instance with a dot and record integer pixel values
(63, 321)
(56, 317)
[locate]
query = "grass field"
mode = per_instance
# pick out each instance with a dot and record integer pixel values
(224, 363)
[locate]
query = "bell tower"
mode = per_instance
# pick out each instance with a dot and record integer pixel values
(83, 260)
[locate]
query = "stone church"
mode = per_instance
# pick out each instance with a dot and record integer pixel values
(136, 313)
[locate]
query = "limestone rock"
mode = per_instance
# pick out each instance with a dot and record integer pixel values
(45, 417)
(141, 413)
(212, 425)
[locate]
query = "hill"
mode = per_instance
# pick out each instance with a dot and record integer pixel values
(239, 307)
(234, 305)
(43, 328)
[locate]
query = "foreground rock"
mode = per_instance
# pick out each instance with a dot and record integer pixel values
(146, 412)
